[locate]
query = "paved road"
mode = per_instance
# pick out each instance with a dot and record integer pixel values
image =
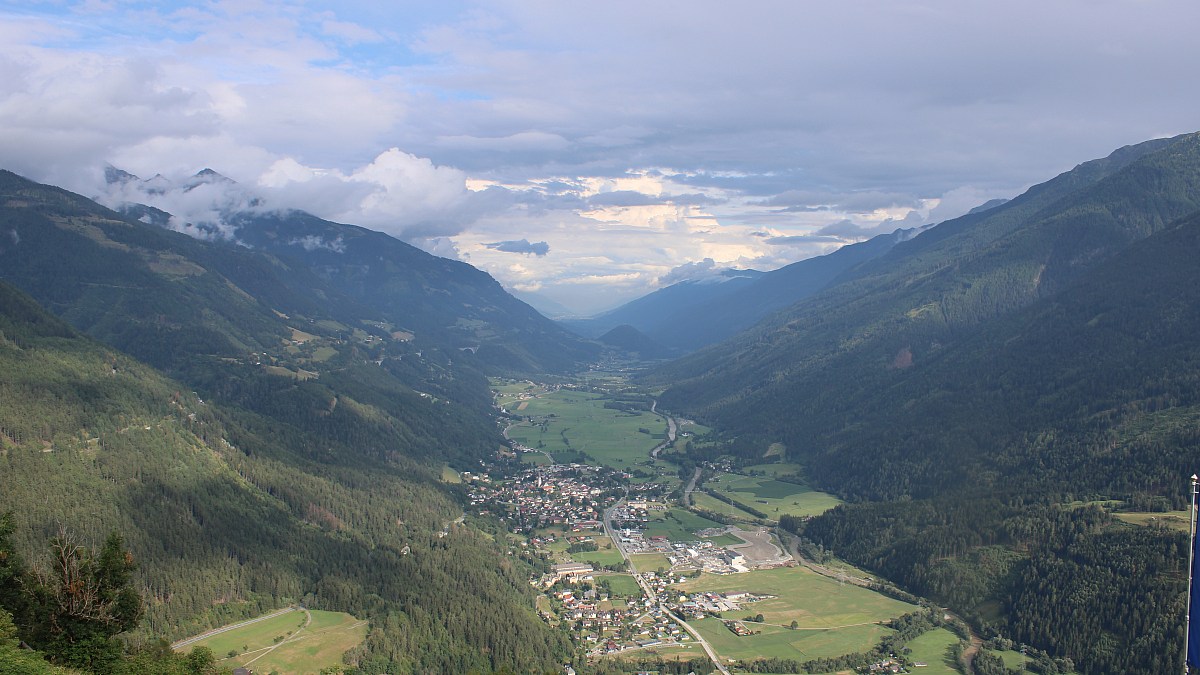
(608, 529)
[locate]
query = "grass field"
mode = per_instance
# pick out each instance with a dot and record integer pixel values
(621, 585)
(679, 524)
(774, 497)
(599, 558)
(566, 422)
(933, 649)
(710, 503)
(289, 643)
(1176, 520)
(1013, 660)
(813, 601)
(649, 562)
(786, 643)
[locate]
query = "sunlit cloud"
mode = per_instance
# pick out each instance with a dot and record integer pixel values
(751, 134)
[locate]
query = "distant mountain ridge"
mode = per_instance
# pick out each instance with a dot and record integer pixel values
(924, 291)
(448, 302)
(692, 314)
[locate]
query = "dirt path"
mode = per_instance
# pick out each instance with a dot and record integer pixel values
(291, 638)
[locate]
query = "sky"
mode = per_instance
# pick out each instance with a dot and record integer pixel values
(586, 153)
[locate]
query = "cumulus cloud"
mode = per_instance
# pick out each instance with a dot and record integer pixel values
(540, 248)
(398, 193)
(694, 271)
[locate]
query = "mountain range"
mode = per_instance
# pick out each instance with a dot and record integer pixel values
(975, 388)
(695, 313)
(281, 435)
(265, 408)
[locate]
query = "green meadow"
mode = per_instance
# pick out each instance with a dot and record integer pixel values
(708, 502)
(777, 641)
(600, 558)
(649, 562)
(678, 524)
(811, 600)
(569, 424)
(933, 649)
(1175, 520)
(622, 585)
(289, 643)
(773, 497)
(832, 619)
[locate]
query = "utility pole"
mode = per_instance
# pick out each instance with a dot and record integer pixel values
(1187, 631)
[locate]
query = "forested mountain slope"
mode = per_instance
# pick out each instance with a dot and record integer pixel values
(905, 307)
(245, 328)
(441, 302)
(973, 391)
(1088, 396)
(228, 512)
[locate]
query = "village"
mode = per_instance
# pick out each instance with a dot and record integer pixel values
(559, 508)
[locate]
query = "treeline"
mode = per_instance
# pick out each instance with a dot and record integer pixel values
(68, 608)
(1064, 577)
(907, 628)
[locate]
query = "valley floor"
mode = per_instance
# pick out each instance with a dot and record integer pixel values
(642, 567)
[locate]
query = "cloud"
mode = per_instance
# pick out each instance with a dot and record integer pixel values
(826, 236)
(690, 272)
(540, 248)
(635, 149)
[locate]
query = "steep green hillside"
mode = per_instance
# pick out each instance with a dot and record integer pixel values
(229, 512)
(245, 329)
(443, 302)
(974, 391)
(793, 376)
(439, 302)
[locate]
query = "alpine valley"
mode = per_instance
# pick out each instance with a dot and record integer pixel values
(1000, 402)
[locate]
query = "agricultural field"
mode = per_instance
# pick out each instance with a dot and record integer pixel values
(781, 642)
(773, 497)
(649, 562)
(710, 503)
(801, 595)
(296, 642)
(933, 649)
(678, 524)
(566, 423)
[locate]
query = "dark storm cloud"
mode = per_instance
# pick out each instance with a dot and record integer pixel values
(520, 246)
